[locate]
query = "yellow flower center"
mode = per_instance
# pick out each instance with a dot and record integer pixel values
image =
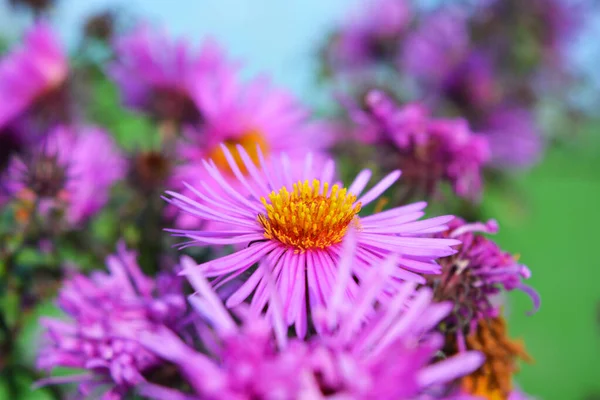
(250, 141)
(310, 217)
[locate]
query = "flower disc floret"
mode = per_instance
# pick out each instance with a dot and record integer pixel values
(311, 216)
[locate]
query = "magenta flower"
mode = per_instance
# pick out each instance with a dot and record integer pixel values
(474, 277)
(71, 169)
(107, 313)
(255, 116)
(157, 75)
(389, 357)
(428, 151)
(29, 73)
(370, 34)
(292, 223)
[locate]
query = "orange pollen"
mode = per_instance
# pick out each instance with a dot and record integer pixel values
(493, 380)
(251, 141)
(310, 217)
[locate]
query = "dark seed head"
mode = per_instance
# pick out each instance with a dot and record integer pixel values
(149, 170)
(44, 175)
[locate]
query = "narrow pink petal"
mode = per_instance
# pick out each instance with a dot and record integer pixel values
(296, 267)
(273, 262)
(404, 324)
(252, 170)
(426, 246)
(244, 291)
(395, 212)
(233, 194)
(392, 224)
(328, 171)
(268, 173)
(451, 368)
(215, 199)
(203, 288)
(360, 182)
(275, 307)
(370, 289)
(418, 226)
(392, 313)
(286, 170)
(239, 260)
(236, 171)
(381, 187)
(314, 284)
(343, 276)
(232, 240)
(308, 164)
(285, 281)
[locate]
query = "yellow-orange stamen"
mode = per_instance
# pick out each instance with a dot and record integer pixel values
(310, 217)
(493, 380)
(250, 141)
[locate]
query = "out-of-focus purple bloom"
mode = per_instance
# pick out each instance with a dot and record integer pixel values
(157, 75)
(107, 313)
(72, 167)
(552, 24)
(474, 276)
(253, 115)
(472, 86)
(437, 47)
(427, 150)
(370, 34)
(27, 74)
(514, 137)
(292, 223)
(390, 357)
(30, 71)
(149, 171)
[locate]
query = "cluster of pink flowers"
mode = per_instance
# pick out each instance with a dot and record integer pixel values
(466, 58)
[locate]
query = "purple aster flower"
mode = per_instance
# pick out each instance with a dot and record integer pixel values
(472, 86)
(107, 313)
(28, 74)
(156, 75)
(71, 169)
(370, 34)
(427, 150)
(362, 351)
(514, 137)
(437, 47)
(475, 276)
(292, 223)
(255, 116)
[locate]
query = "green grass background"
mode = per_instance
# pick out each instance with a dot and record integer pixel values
(556, 231)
